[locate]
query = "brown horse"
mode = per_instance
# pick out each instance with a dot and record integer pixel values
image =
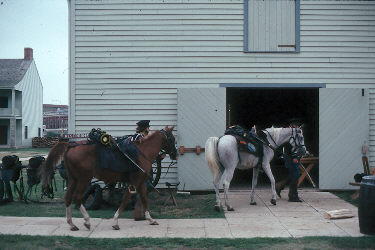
(80, 164)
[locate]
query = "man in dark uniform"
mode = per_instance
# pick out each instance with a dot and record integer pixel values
(292, 163)
(143, 128)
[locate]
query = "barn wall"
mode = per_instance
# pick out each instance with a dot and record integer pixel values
(128, 57)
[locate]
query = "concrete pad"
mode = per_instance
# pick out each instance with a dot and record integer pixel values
(250, 231)
(253, 221)
(46, 221)
(186, 223)
(218, 232)
(286, 219)
(11, 220)
(9, 229)
(191, 232)
(349, 225)
(249, 213)
(36, 229)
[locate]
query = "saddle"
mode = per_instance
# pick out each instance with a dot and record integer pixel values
(247, 141)
(110, 155)
(10, 168)
(32, 170)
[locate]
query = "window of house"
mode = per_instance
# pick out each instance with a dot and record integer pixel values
(3, 102)
(271, 26)
(26, 130)
(39, 132)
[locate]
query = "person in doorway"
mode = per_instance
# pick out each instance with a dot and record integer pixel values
(292, 163)
(143, 128)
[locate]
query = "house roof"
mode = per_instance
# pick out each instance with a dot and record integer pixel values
(12, 71)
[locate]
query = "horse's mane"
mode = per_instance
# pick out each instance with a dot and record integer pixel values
(147, 137)
(275, 132)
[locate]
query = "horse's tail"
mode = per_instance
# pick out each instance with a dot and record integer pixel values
(48, 167)
(212, 157)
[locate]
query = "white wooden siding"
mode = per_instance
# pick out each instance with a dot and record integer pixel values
(128, 57)
(32, 104)
(371, 142)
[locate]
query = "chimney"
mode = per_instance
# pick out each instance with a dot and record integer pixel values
(28, 54)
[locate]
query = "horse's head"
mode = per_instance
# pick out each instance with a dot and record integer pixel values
(169, 145)
(297, 142)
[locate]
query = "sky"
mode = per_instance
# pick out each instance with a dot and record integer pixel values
(43, 26)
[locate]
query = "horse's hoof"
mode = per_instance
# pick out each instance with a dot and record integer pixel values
(87, 225)
(154, 223)
(116, 227)
(230, 209)
(74, 228)
(217, 208)
(273, 201)
(253, 203)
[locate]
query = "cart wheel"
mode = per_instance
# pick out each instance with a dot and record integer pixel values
(92, 199)
(156, 172)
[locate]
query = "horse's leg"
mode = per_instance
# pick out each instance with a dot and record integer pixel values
(216, 182)
(228, 175)
(254, 184)
(123, 204)
(143, 196)
(78, 195)
(267, 169)
(68, 201)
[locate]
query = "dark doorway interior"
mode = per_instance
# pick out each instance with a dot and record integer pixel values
(266, 107)
(3, 135)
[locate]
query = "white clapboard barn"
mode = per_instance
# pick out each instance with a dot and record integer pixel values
(21, 101)
(203, 65)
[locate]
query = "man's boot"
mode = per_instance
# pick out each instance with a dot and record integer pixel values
(280, 186)
(293, 193)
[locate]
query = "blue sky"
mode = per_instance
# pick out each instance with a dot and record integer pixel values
(43, 26)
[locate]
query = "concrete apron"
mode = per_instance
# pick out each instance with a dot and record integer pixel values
(286, 219)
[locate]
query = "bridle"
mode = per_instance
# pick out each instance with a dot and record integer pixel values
(168, 143)
(297, 140)
(294, 138)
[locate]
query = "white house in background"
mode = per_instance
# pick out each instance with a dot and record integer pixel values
(21, 101)
(205, 64)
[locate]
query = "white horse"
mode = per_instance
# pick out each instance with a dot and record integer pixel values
(223, 157)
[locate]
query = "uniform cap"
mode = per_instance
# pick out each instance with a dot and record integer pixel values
(144, 123)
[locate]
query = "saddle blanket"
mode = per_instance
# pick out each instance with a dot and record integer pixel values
(112, 159)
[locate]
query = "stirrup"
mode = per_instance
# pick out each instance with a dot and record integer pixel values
(132, 189)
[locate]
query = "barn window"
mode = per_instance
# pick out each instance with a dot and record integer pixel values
(271, 26)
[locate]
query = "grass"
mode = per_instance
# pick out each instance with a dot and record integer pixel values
(189, 206)
(346, 196)
(65, 242)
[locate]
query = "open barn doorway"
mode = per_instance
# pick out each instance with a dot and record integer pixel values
(266, 107)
